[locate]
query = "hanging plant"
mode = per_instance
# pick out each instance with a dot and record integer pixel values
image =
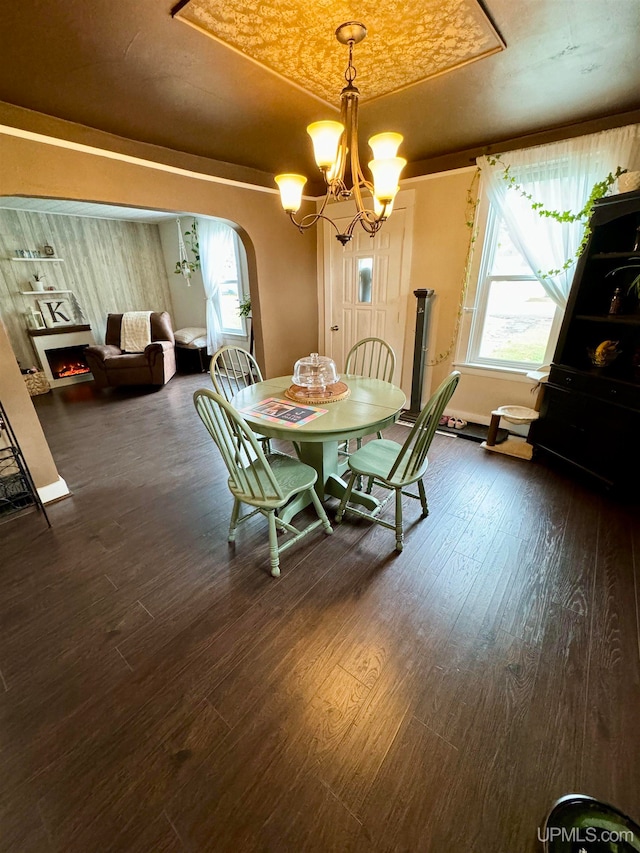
(185, 266)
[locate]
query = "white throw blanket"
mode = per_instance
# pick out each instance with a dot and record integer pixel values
(135, 332)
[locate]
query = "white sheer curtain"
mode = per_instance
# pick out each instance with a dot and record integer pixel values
(561, 176)
(216, 242)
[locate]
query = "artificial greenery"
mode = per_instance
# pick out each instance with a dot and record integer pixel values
(634, 286)
(470, 221)
(191, 241)
(244, 307)
(599, 190)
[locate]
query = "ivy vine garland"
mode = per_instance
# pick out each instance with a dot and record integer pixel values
(600, 188)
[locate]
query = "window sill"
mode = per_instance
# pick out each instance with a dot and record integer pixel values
(506, 374)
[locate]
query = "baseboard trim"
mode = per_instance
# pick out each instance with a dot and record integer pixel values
(54, 492)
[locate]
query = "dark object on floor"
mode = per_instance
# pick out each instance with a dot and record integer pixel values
(578, 822)
(475, 432)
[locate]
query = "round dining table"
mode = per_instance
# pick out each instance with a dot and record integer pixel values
(372, 405)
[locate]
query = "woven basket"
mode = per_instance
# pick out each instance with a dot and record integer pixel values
(628, 182)
(37, 383)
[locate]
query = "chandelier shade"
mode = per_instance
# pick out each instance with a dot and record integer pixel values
(325, 136)
(291, 187)
(335, 147)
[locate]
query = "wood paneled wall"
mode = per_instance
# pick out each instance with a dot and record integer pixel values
(110, 265)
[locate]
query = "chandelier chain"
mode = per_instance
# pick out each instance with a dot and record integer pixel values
(350, 73)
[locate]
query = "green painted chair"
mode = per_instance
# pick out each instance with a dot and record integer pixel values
(374, 358)
(231, 369)
(266, 482)
(395, 466)
(371, 357)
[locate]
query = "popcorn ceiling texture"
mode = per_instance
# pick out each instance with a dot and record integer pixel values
(406, 42)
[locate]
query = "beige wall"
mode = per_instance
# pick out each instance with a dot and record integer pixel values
(440, 243)
(24, 421)
(109, 265)
(282, 263)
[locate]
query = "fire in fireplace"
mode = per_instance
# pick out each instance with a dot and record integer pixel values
(67, 361)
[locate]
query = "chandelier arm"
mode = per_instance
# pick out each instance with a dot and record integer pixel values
(313, 218)
(345, 179)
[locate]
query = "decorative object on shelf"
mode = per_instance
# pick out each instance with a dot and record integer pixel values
(628, 182)
(48, 250)
(56, 312)
(336, 152)
(633, 288)
(184, 266)
(616, 301)
(38, 282)
(604, 354)
(34, 319)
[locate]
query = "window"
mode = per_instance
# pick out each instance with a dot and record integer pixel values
(514, 324)
(230, 287)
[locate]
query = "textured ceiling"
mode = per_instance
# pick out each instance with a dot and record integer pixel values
(406, 43)
(131, 70)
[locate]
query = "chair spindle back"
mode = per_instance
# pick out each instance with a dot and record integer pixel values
(414, 451)
(249, 471)
(371, 357)
(233, 368)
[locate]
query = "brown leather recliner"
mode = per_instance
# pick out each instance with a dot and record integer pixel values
(111, 366)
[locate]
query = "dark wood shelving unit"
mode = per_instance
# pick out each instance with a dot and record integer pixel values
(590, 416)
(612, 319)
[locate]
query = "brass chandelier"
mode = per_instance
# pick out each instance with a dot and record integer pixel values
(335, 145)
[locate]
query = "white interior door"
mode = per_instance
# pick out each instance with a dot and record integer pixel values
(367, 288)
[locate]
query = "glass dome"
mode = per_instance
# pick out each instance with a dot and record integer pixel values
(315, 372)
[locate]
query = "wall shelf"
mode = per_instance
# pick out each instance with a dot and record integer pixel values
(43, 292)
(37, 260)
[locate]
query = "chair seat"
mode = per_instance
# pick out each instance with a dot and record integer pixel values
(291, 475)
(376, 459)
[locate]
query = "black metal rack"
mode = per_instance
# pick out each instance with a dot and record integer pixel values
(18, 493)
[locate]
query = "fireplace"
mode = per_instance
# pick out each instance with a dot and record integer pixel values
(67, 361)
(61, 353)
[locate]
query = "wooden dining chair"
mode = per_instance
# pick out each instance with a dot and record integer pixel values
(374, 358)
(233, 368)
(371, 357)
(266, 482)
(396, 466)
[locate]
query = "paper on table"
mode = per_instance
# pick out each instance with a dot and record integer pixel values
(283, 412)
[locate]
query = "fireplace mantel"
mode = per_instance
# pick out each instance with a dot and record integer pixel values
(59, 330)
(61, 337)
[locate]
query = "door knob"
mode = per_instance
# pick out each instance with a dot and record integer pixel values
(335, 328)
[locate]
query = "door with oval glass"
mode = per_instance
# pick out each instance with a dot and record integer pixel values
(367, 289)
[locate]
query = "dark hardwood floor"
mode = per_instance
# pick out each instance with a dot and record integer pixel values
(159, 691)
